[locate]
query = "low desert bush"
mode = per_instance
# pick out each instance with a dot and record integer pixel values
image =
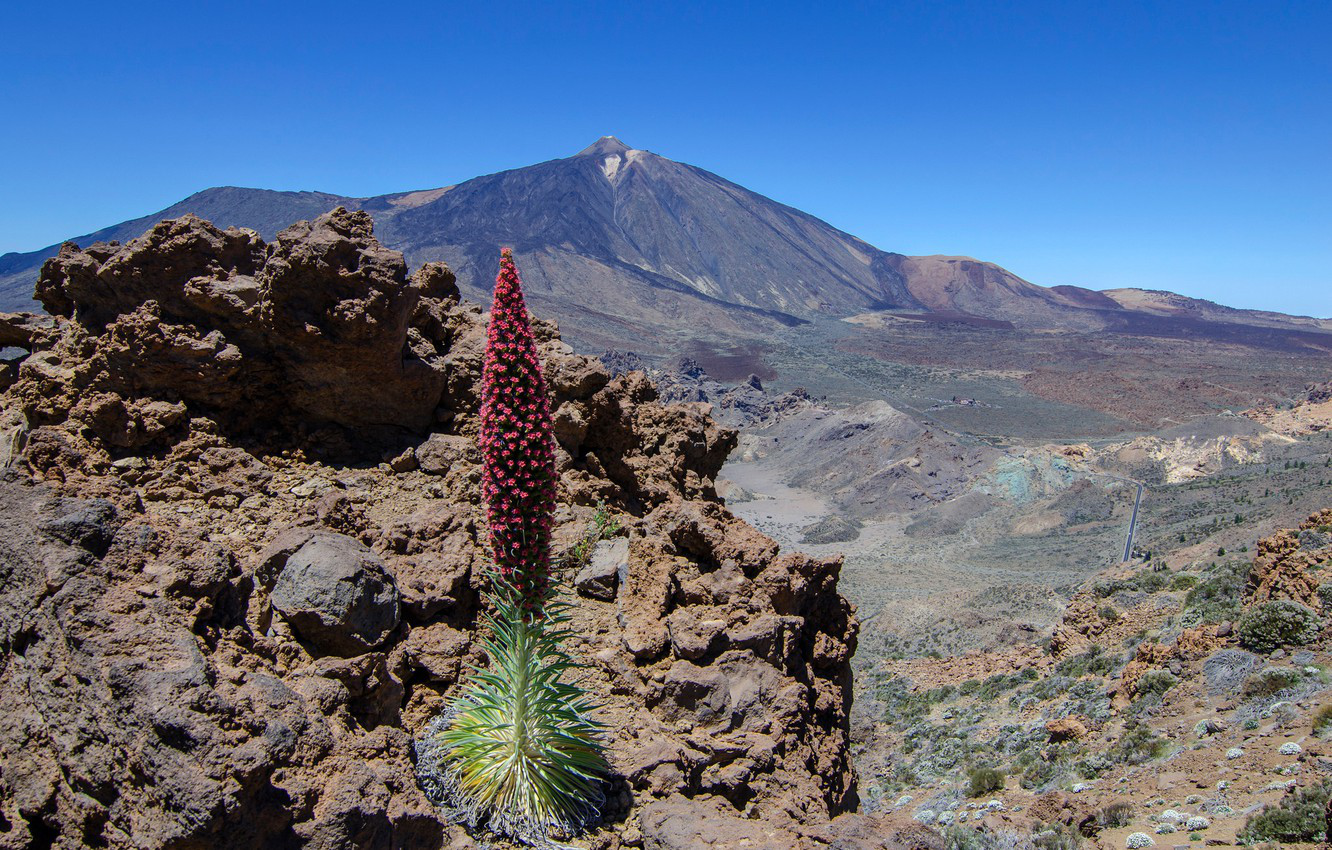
(1299, 818)
(1216, 597)
(985, 780)
(903, 706)
(1325, 595)
(1137, 745)
(1057, 837)
(1093, 766)
(1155, 682)
(1095, 661)
(1281, 622)
(1115, 815)
(1147, 581)
(1183, 581)
(1322, 721)
(1271, 681)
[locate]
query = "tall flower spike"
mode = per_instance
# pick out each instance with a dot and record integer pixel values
(517, 749)
(517, 444)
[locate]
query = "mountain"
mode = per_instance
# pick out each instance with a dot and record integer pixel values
(631, 249)
(263, 210)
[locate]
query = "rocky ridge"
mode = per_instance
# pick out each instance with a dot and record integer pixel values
(681, 380)
(1307, 415)
(242, 543)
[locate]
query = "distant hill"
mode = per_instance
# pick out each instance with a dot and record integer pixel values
(263, 210)
(630, 249)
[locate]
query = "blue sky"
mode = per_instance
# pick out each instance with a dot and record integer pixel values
(1183, 146)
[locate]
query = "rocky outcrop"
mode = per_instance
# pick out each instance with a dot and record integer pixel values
(323, 326)
(1285, 565)
(682, 379)
(243, 544)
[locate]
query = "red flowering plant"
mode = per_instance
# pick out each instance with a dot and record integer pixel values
(517, 444)
(517, 750)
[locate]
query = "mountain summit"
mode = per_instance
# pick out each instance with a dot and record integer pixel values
(604, 146)
(629, 249)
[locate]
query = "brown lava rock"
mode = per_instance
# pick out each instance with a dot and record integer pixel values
(201, 407)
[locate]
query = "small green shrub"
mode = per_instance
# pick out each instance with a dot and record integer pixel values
(1093, 766)
(1156, 682)
(968, 837)
(1039, 774)
(1322, 721)
(1325, 595)
(1299, 818)
(1057, 836)
(1115, 815)
(1271, 681)
(1146, 581)
(603, 526)
(1137, 745)
(1001, 682)
(1278, 623)
(1216, 596)
(985, 780)
(960, 837)
(1107, 613)
(1095, 661)
(901, 705)
(1051, 687)
(1183, 581)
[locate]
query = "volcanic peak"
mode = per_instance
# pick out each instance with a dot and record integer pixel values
(604, 146)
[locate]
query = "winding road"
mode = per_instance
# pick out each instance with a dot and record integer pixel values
(1133, 520)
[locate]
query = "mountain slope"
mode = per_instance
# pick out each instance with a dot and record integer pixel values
(630, 249)
(675, 221)
(1172, 305)
(264, 210)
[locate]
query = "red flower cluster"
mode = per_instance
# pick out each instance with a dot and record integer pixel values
(517, 443)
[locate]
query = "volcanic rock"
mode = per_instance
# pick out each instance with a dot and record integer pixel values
(600, 578)
(1281, 570)
(313, 329)
(337, 595)
(172, 669)
(89, 524)
(1065, 729)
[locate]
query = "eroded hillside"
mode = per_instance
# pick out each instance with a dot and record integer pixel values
(1189, 703)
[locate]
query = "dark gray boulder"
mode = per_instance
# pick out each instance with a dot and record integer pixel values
(600, 578)
(87, 523)
(337, 595)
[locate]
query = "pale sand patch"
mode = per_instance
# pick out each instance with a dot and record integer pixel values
(416, 199)
(1038, 523)
(786, 509)
(859, 255)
